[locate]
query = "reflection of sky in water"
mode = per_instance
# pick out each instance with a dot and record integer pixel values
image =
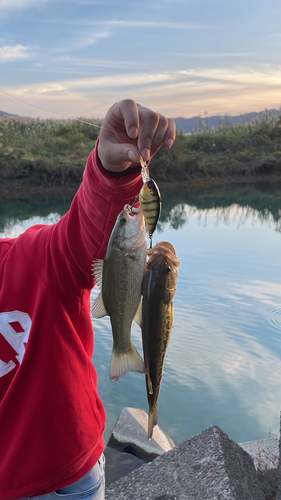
(15, 227)
(225, 343)
(223, 364)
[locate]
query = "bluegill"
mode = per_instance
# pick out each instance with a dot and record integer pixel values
(120, 277)
(159, 288)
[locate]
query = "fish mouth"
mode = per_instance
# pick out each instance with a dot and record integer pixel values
(132, 210)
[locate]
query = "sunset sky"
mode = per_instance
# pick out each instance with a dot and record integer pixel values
(179, 57)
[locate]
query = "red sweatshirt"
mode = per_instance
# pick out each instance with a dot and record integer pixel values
(51, 417)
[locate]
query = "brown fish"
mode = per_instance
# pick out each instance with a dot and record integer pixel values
(159, 287)
(120, 277)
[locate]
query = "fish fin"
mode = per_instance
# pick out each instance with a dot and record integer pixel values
(152, 420)
(98, 309)
(138, 315)
(149, 383)
(97, 269)
(122, 363)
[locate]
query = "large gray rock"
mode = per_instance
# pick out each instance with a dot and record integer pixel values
(130, 435)
(264, 452)
(209, 466)
(278, 496)
(265, 455)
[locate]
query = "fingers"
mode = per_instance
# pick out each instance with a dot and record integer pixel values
(124, 114)
(118, 157)
(131, 132)
(155, 130)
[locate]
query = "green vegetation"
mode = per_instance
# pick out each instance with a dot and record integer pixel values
(230, 152)
(44, 152)
(54, 153)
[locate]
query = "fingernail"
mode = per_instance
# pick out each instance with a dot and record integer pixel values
(133, 132)
(145, 154)
(169, 143)
(133, 157)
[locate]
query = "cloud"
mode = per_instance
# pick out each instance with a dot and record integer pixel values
(92, 38)
(8, 5)
(153, 24)
(133, 24)
(159, 24)
(12, 53)
(175, 93)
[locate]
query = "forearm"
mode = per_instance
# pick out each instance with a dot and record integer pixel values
(100, 198)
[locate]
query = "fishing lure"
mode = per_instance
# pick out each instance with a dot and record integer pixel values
(150, 201)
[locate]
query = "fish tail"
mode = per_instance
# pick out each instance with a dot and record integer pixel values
(124, 362)
(152, 420)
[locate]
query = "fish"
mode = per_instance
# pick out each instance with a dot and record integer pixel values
(119, 277)
(159, 288)
(150, 201)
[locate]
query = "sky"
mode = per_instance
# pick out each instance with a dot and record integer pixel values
(179, 57)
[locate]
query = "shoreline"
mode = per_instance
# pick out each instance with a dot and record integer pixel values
(25, 188)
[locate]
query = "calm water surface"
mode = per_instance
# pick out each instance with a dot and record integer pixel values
(223, 364)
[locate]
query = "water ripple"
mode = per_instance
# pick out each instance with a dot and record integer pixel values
(275, 318)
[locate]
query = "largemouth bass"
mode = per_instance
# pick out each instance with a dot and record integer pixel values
(119, 277)
(159, 287)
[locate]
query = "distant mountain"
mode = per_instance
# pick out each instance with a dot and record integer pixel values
(2, 113)
(190, 124)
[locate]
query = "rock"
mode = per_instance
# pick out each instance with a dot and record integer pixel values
(264, 452)
(208, 466)
(119, 464)
(265, 455)
(278, 496)
(130, 435)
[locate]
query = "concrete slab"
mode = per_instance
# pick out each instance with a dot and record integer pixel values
(264, 452)
(130, 435)
(209, 466)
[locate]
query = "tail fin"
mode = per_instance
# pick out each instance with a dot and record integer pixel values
(122, 363)
(152, 420)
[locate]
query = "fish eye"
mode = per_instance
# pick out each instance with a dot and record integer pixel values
(123, 220)
(150, 184)
(168, 269)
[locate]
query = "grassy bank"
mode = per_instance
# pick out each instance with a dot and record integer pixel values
(53, 153)
(44, 152)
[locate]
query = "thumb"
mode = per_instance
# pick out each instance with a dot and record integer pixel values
(133, 154)
(118, 157)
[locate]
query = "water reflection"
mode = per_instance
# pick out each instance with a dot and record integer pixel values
(256, 202)
(223, 363)
(19, 210)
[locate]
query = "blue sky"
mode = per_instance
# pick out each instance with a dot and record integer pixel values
(179, 57)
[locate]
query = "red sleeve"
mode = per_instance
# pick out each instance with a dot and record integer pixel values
(82, 234)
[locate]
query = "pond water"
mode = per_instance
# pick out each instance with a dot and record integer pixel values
(223, 363)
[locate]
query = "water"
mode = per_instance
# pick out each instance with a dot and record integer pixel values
(223, 364)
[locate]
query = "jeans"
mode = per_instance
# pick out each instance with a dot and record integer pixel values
(89, 487)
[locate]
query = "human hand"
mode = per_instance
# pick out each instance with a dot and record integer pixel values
(131, 132)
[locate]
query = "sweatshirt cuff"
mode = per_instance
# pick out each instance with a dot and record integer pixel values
(109, 181)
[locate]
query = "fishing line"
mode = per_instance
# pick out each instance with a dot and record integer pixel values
(143, 164)
(50, 111)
